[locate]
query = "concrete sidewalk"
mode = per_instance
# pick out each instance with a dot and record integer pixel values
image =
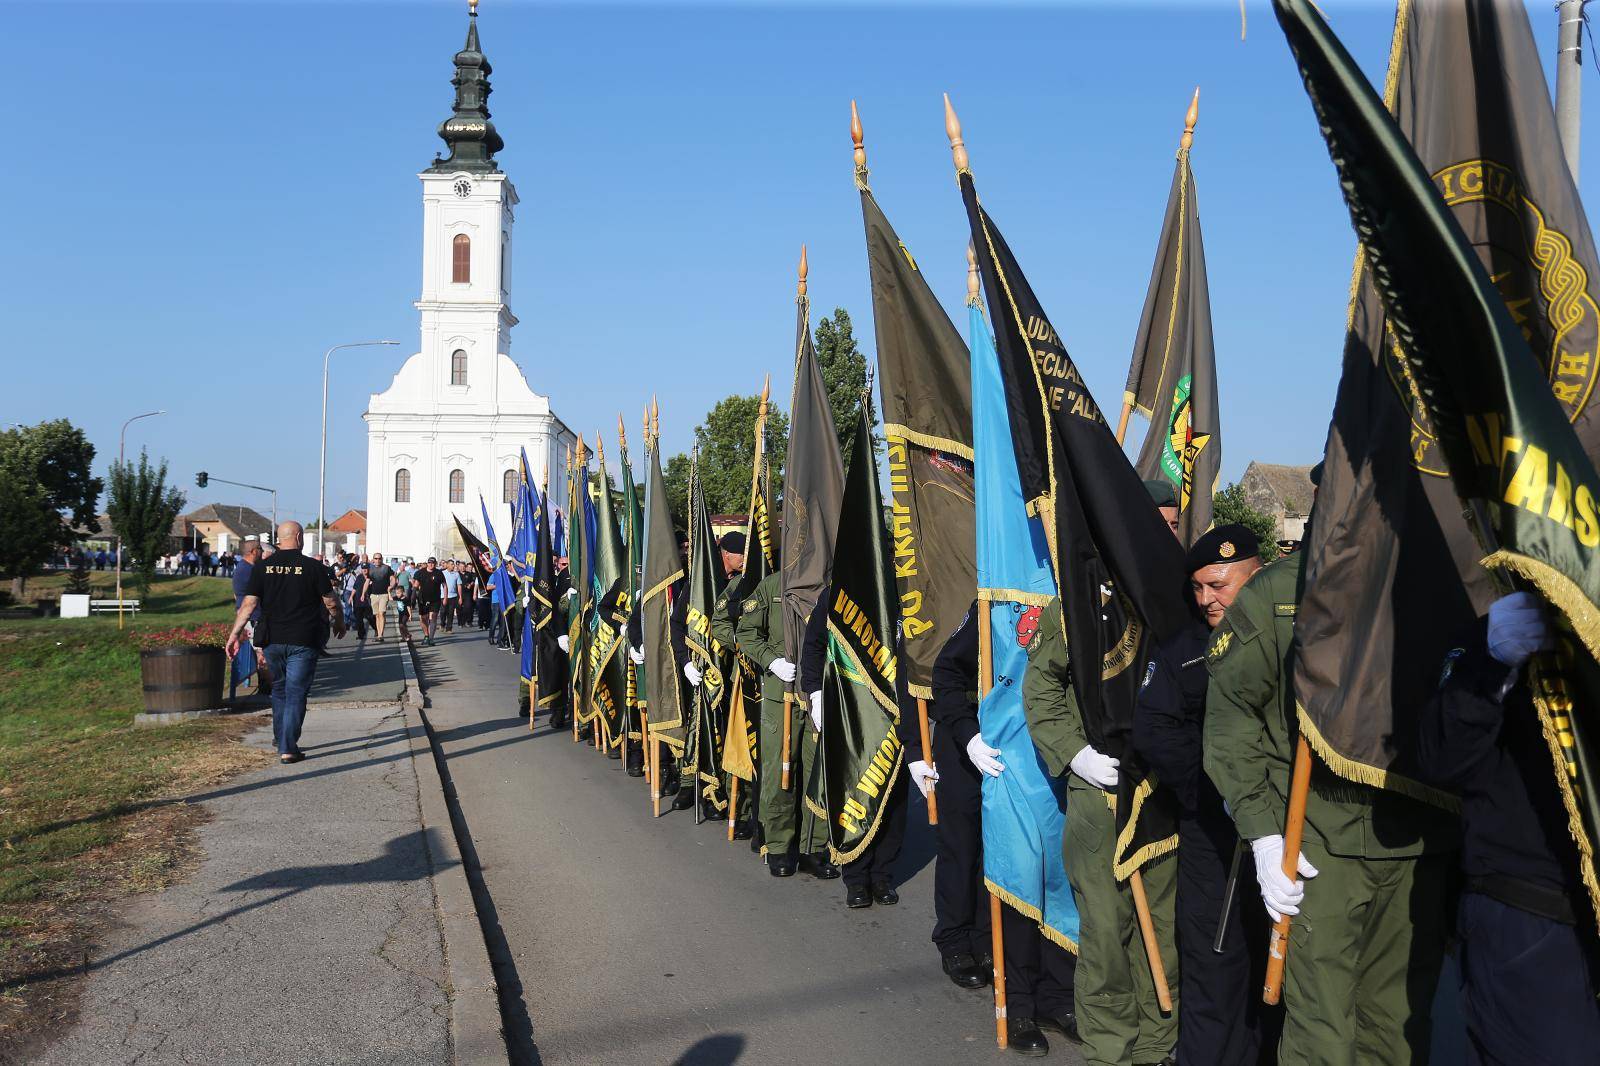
(328, 921)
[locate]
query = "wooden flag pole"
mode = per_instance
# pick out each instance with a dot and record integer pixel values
(1122, 422)
(927, 757)
(733, 804)
(997, 938)
(1293, 833)
(1152, 947)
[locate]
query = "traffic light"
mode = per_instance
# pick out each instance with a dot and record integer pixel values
(201, 478)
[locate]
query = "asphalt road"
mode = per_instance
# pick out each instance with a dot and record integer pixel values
(651, 941)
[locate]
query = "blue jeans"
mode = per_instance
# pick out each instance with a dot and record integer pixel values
(293, 667)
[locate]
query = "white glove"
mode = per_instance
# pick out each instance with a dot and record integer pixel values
(924, 777)
(1518, 627)
(1097, 769)
(692, 673)
(816, 711)
(783, 670)
(1281, 895)
(637, 655)
(564, 644)
(983, 756)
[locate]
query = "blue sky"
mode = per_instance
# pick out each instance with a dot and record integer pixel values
(203, 197)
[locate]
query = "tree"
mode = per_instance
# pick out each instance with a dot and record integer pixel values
(1230, 506)
(844, 375)
(29, 530)
(49, 483)
(727, 443)
(142, 508)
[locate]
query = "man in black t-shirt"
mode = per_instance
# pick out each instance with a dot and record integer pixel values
(298, 608)
(377, 584)
(430, 594)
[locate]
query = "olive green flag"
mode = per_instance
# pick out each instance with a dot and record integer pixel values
(812, 488)
(633, 536)
(1172, 378)
(925, 379)
(1458, 458)
(860, 753)
(663, 568)
(608, 674)
(708, 700)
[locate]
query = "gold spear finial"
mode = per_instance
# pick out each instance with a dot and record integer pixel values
(972, 275)
(952, 129)
(600, 449)
(1189, 120)
(472, 8)
(578, 456)
(655, 418)
(766, 391)
(622, 435)
(804, 270)
(860, 153)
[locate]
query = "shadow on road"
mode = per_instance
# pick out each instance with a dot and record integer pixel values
(723, 1049)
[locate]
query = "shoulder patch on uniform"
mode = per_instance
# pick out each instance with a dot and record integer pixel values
(1285, 610)
(1220, 644)
(749, 604)
(1241, 625)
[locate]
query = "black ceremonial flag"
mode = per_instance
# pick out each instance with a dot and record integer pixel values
(482, 558)
(608, 657)
(1172, 378)
(1118, 567)
(926, 383)
(1495, 420)
(860, 751)
(703, 735)
(549, 664)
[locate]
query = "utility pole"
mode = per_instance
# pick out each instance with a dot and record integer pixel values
(1569, 78)
(322, 463)
(122, 448)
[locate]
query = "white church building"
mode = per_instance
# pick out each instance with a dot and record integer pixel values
(454, 421)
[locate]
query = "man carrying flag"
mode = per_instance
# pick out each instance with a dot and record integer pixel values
(1119, 572)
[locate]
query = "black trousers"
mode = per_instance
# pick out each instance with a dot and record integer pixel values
(875, 866)
(1039, 972)
(1527, 987)
(960, 902)
(1222, 1020)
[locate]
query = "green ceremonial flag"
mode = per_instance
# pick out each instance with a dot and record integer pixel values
(925, 378)
(1474, 313)
(663, 568)
(608, 657)
(812, 489)
(860, 751)
(1172, 379)
(703, 737)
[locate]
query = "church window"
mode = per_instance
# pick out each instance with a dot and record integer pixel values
(458, 367)
(458, 486)
(508, 486)
(461, 259)
(402, 486)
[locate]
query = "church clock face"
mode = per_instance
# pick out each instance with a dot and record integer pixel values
(463, 188)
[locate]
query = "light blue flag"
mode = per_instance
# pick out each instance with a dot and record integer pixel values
(1024, 809)
(501, 580)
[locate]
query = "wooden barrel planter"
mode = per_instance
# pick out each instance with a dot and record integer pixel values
(182, 679)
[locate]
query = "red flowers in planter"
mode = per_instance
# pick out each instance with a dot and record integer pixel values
(205, 635)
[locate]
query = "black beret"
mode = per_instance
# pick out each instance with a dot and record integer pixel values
(1161, 493)
(1223, 544)
(1316, 474)
(732, 543)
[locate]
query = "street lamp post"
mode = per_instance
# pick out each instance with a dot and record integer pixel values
(322, 465)
(122, 441)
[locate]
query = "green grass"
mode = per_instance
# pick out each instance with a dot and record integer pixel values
(72, 765)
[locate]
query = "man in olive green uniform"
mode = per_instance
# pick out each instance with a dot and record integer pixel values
(1369, 921)
(787, 828)
(724, 630)
(1119, 1020)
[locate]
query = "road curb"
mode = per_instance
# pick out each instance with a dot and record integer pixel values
(476, 1038)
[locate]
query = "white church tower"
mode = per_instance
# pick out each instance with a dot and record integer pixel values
(454, 421)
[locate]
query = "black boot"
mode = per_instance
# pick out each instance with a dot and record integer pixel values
(683, 800)
(964, 970)
(1023, 1037)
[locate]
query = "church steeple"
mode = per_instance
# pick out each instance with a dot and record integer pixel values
(469, 133)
